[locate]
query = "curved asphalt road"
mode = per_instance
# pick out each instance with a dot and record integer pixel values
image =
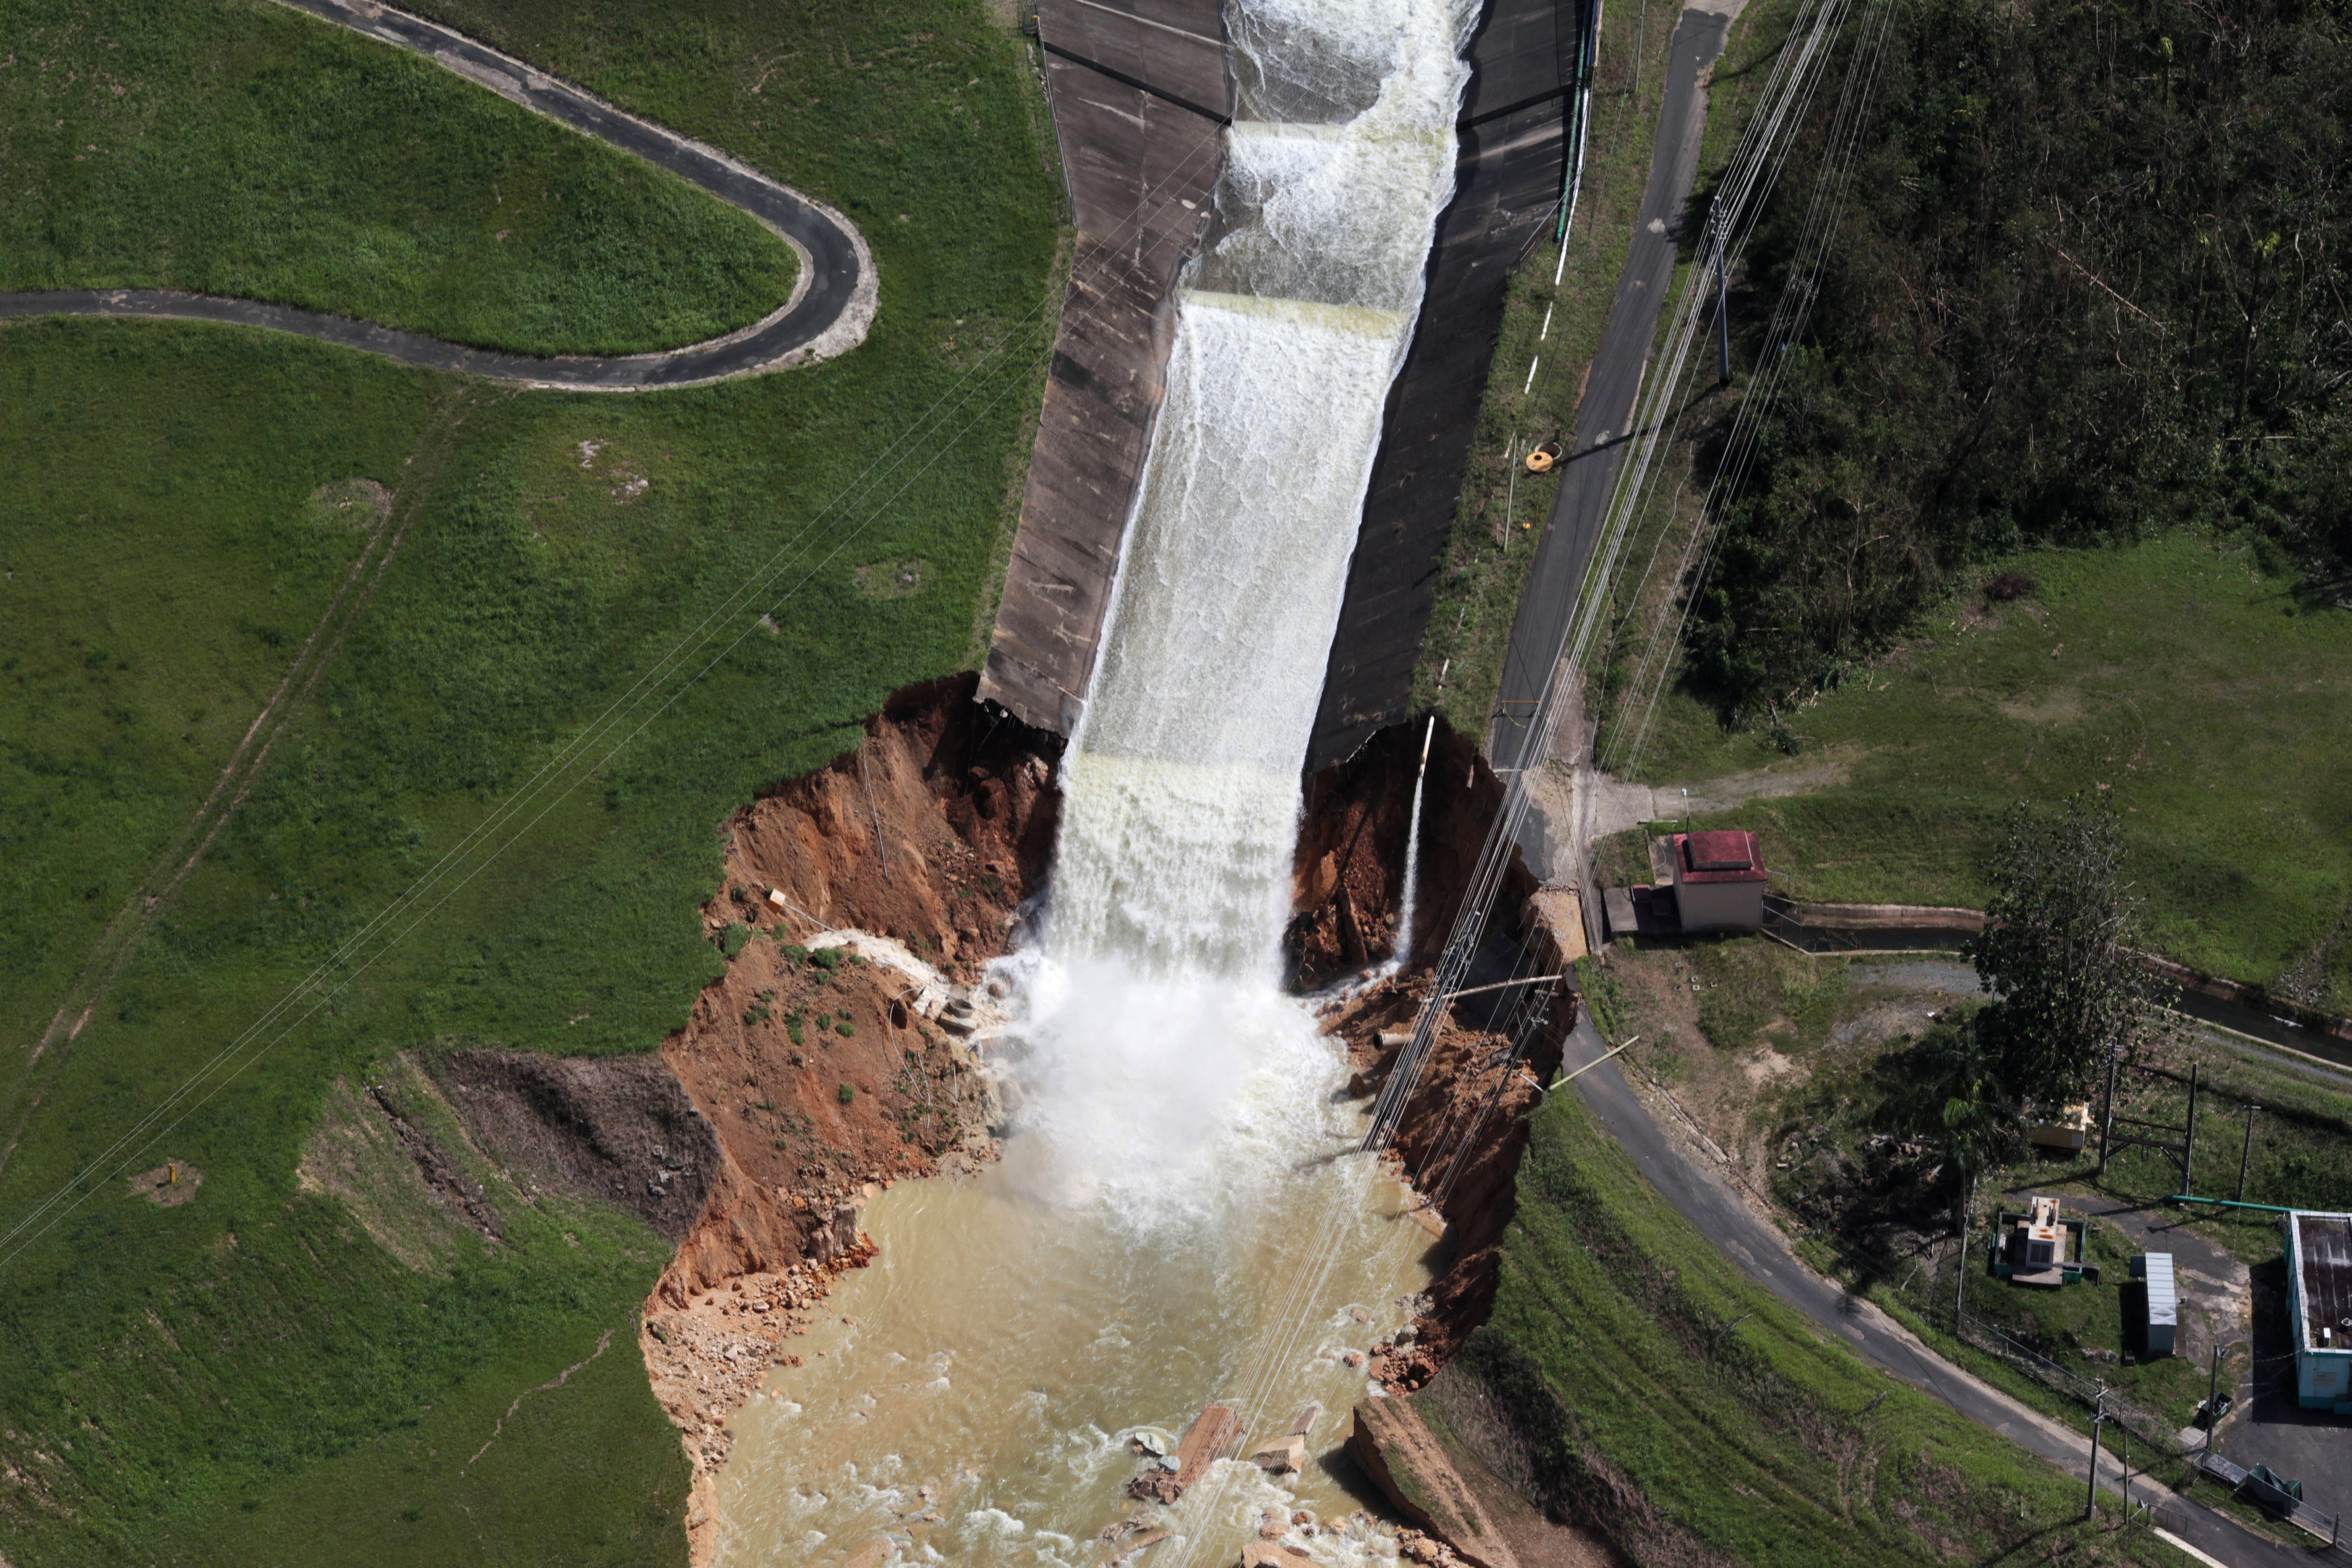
(834, 295)
(1605, 416)
(1764, 1257)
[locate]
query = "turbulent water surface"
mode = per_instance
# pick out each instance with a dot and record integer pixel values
(1178, 1217)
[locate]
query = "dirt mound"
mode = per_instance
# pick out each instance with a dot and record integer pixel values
(621, 1128)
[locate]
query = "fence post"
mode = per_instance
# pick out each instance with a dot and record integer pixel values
(2107, 1109)
(2188, 1136)
(2246, 1150)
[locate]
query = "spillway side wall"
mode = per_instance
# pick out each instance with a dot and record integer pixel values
(1513, 151)
(1141, 93)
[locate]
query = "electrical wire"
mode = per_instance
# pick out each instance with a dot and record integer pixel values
(921, 434)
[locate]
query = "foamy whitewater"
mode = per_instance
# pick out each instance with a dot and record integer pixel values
(1177, 1219)
(1158, 1009)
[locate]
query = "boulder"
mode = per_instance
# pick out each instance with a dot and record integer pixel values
(1284, 1456)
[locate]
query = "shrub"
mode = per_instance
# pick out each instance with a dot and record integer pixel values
(737, 933)
(2008, 585)
(847, 1094)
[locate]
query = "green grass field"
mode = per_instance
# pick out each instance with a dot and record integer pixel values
(239, 148)
(1631, 1344)
(2206, 698)
(248, 1377)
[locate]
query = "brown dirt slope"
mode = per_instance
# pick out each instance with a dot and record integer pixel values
(1405, 1461)
(1348, 877)
(1467, 1074)
(965, 807)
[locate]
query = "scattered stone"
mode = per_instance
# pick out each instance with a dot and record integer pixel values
(1210, 1438)
(1285, 1455)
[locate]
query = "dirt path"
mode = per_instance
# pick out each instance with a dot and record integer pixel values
(120, 938)
(835, 291)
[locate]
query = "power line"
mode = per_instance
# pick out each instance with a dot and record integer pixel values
(551, 775)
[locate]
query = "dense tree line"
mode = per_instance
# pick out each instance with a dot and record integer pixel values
(2091, 280)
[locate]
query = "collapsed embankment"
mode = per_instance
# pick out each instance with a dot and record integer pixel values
(858, 906)
(1348, 878)
(858, 903)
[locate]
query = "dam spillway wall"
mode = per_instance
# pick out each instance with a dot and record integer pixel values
(1140, 90)
(1514, 151)
(1141, 93)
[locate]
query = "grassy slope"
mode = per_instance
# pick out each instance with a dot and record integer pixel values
(297, 1369)
(1864, 1225)
(236, 147)
(1738, 1422)
(1504, 506)
(2201, 693)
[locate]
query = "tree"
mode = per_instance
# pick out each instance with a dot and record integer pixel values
(2054, 951)
(1955, 1098)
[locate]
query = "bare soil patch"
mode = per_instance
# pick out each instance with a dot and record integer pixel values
(892, 579)
(171, 1184)
(356, 503)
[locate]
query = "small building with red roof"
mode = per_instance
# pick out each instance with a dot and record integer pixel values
(1719, 881)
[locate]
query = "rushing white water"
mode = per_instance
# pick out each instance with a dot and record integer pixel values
(1176, 1219)
(1404, 954)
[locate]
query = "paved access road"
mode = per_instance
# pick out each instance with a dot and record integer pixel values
(832, 300)
(1604, 416)
(1763, 1257)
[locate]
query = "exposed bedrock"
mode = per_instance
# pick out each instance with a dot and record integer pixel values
(1348, 877)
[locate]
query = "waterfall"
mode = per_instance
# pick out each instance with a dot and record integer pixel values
(1160, 1028)
(1404, 954)
(1176, 1219)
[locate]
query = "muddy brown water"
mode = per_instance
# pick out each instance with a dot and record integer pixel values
(970, 1395)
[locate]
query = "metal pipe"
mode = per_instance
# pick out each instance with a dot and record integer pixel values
(2229, 1203)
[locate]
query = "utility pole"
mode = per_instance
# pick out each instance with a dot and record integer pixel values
(2213, 1386)
(1961, 1268)
(2108, 1107)
(2246, 1149)
(2098, 1418)
(2189, 1137)
(1722, 305)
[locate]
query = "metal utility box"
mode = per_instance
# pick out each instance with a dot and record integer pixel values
(2067, 1128)
(2154, 1270)
(2319, 1297)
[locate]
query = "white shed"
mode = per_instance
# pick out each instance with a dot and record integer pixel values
(2155, 1271)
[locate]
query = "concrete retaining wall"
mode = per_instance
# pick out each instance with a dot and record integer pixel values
(1140, 94)
(1507, 186)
